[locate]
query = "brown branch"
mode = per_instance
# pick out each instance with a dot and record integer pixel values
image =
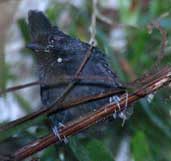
(51, 109)
(15, 88)
(61, 80)
(58, 101)
(159, 80)
(61, 107)
(70, 86)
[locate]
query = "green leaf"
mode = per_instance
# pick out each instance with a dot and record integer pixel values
(98, 151)
(78, 149)
(48, 154)
(25, 105)
(158, 121)
(7, 133)
(92, 150)
(5, 73)
(140, 147)
(24, 30)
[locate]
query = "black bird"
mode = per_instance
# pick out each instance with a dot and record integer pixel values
(59, 54)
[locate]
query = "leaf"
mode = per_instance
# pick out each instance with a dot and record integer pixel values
(154, 118)
(24, 30)
(140, 147)
(78, 149)
(98, 151)
(5, 73)
(48, 154)
(5, 134)
(92, 150)
(25, 105)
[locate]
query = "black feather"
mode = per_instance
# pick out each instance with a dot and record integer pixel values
(38, 23)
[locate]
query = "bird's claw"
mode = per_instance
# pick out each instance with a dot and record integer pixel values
(124, 114)
(115, 99)
(57, 134)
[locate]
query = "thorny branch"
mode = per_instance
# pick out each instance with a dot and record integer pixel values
(156, 81)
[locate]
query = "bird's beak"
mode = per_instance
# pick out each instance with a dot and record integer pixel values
(34, 46)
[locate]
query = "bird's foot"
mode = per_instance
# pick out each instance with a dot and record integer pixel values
(126, 114)
(57, 134)
(123, 114)
(115, 99)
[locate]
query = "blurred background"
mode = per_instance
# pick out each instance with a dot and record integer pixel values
(122, 32)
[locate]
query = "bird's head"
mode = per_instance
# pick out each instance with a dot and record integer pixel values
(49, 43)
(45, 38)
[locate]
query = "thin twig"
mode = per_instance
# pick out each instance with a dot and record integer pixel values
(61, 80)
(52, 108)
(61, 107)
(15, 88)
(57, 102)
(92, 40)
(70, 86)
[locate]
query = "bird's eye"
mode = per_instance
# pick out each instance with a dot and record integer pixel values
(51, 40)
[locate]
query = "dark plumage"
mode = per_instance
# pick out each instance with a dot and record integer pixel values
(59, 54)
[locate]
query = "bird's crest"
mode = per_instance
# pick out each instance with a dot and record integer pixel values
(38, 23)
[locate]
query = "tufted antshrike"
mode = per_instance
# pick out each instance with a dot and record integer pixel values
(59, 54)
